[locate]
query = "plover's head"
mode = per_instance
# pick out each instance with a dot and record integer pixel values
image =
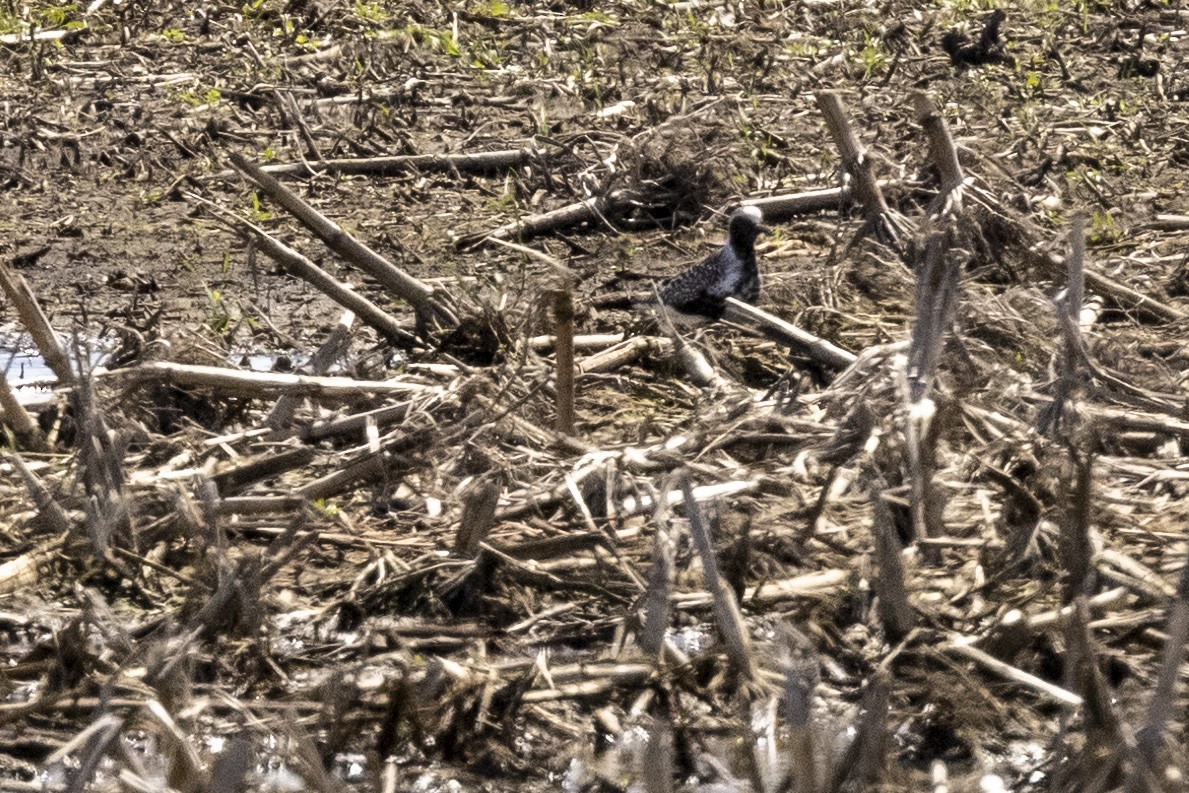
(753, 212)
(746, 224)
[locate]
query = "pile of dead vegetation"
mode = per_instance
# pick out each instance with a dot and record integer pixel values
(923, 528)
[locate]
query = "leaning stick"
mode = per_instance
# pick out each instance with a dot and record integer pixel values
(293, 262)
(859, 166)
(28, 435)
(1125, 297)
(776, 328)
(418, 295)
(1162, 705)
(962, 646)
(587, 210)
(34, 320)
(942, 151)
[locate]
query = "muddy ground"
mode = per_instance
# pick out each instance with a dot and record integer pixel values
(375, 652)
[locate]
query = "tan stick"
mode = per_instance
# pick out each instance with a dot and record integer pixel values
(623, 353)
(860, 167)
(779, 207)
(776, 328)
(961, 646)
(563, 315)
(293, 262)
(1171, 222)
(586, 211)
(24, 428)
(260, 384)
(417, 294)
(591, 341)
(478, 162)
(34, 320)
(1163, 703)
(941, 145)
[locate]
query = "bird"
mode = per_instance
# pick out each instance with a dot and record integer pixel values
(699, 294)
(988, 49)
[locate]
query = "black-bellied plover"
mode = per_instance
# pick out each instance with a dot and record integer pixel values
(731, 271)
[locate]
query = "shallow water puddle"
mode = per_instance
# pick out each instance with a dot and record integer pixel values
(28, 374)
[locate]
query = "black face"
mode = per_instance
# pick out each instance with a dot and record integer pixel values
(744, 229)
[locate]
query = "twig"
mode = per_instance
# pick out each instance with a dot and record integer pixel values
(818, 349)
(260, 384)
(425, 302)
(588, 210)
(368, 312)
(861, 168)
(961, 646)
(25, 429)
(35, 322)
(943, 154)
(1150, 737)
(478, 162)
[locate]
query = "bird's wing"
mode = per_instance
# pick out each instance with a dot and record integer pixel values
(684, 282)
(728, 271)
